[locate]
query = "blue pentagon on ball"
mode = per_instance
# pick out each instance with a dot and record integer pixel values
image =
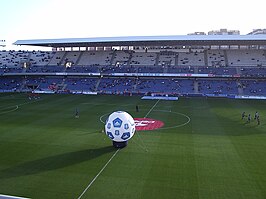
(125, 135)
(117, 122)
(110, 135)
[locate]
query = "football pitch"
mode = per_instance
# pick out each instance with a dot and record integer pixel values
(204, 150)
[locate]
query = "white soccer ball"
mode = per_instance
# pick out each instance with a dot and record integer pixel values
(120, 126)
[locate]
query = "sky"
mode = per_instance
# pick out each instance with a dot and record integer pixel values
(51, 19)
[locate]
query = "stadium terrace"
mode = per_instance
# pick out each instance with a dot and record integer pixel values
(195, 65)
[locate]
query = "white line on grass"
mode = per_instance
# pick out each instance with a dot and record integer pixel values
(113, 154)
(142, 142)
(16, 107)
(177, 113)
(98, 174)
(4, 112)
(151, 108)
(29, 102)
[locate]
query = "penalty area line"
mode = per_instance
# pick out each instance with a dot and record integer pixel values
(93, 180)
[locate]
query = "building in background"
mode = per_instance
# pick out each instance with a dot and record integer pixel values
(258, 32)
(224, 31)
(197, 33)
(2, 43)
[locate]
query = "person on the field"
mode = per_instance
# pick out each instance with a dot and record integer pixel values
(243, 115)
(258, 119)
(256, 115)
(249, 118)
(137, 108)
(77, 113)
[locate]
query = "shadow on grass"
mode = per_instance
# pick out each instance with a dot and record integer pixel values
(54, 162)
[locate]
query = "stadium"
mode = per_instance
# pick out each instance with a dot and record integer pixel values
(198, 102)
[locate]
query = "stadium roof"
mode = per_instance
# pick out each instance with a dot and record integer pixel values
(172, 40)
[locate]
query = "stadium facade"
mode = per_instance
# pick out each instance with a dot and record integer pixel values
(183, 41)
(191, 65)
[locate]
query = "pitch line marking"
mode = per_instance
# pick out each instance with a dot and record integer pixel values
(102, 116)
(146, 149)
(93, 180)
(17, 106)
(29, 102)
(177, 113)
(4, 112)
(21, 104)
(151, 109)
(163, 128)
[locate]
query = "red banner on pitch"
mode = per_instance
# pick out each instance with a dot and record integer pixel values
(147, 124)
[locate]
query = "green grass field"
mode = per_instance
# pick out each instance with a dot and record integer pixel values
(47, 153)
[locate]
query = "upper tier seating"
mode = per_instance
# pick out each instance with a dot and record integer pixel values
(13, 58)
(216, 58)
(145, 59)
(191, 59)
(40, 58)
(246, 58)
(96, 58)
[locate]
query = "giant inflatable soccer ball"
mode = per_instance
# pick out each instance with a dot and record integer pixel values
(120, 127)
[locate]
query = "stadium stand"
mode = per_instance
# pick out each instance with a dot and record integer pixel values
(217, 87)
(121, 57)
(10, 84)
(167, 58)
(116, 85)
(167, 86)
(40, 58)
(220, 70)
(42, 83)
(246, 58)
(191, 59)
(95, 58)
(80, 84)
(216, 58)
(146, 59)
(57, 59)
(13, 58)
(254, 87)
(83, 69)
(172, 71)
